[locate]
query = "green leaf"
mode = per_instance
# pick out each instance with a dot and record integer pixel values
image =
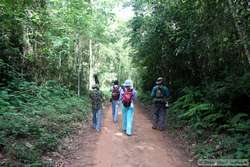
(237, 118)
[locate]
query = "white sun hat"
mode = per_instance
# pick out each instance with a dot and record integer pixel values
(128, 83)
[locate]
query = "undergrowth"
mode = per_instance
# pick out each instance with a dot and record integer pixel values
(215, 118)
(34, 118)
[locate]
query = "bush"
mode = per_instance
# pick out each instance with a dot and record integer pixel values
(144, 97)
(214, 119)
(34, 118)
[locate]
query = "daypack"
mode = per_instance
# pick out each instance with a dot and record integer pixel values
(159, 93)
(115, 92)
(96, 98)
(127, 98)
(159, 96)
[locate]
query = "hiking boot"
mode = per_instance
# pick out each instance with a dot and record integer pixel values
(161, 129)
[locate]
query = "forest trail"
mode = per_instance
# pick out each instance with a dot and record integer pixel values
(112, 148)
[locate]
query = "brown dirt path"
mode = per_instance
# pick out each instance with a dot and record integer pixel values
(112, 148)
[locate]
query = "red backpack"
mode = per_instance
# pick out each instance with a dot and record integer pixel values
(115, 92)
(127, 98)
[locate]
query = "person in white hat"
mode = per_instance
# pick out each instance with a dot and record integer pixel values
(128, 97)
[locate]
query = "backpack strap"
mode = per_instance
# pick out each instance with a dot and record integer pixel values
(160, 99)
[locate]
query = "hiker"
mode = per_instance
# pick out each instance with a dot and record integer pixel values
(159, 93)
(128, 96)
(96, 99)
(115, 96)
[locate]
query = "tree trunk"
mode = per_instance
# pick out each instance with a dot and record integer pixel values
(79, 80)
(90, 65)
(27, 47)
(91, 73)
(60, 64)
(78, 65)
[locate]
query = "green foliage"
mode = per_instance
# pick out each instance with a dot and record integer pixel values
(224, 146)
(217, 134)
(199, 49)
(144, 97)
(190, 110)
(191, 42)
(49, 40)
(44, 45)
(41, 41)
(34, 118)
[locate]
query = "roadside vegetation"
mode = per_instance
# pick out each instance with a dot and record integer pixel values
(201, 48)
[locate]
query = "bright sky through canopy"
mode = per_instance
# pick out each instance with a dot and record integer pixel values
(124, 13)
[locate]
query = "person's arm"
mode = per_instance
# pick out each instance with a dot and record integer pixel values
(153, 92)
(111, 96)
(102, 97)
(134, 95)
(90, 95)
(166, 91)
(121, 94)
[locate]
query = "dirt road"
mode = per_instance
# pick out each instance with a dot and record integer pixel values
(112, 148)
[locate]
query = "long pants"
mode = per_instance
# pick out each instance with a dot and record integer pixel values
(97, 119)
(127, 119)
(159, 116)
(115, 106)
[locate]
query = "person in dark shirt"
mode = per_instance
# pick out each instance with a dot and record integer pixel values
(96, 97)
(115, 96)
(159, 94)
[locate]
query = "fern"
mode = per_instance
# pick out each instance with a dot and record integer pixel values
(237, 118)
(210, 119)
(195, 109)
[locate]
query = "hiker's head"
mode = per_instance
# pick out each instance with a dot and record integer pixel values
(116, 82)
(95, 86)
(159, 81)
(128, 84)
(116, 86)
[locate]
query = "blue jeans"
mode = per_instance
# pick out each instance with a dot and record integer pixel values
(115, 106)
(97, 119)
(127, 119)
